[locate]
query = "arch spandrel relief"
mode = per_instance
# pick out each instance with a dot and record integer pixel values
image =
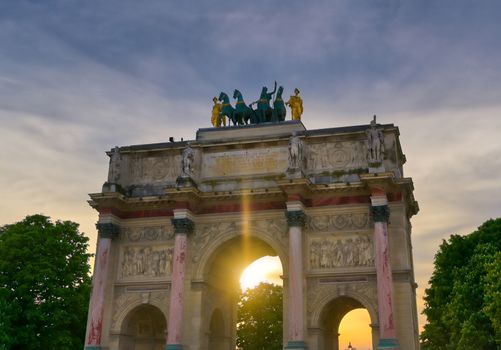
(210, 235)
(320, 294)
(206, 232)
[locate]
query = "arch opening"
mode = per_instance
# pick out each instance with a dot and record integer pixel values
(344, 320)
(223, 288)
(144, 328)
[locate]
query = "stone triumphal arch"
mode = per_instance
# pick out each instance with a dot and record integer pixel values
(179, 221)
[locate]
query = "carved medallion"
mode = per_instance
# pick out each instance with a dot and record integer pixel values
(329, 223)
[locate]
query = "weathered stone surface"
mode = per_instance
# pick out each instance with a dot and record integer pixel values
(306, 196)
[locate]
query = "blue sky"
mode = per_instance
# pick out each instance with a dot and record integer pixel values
(79, 77)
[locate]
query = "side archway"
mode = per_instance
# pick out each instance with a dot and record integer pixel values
(144, 328)
(330, 310)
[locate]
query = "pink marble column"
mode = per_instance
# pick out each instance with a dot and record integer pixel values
(182, 227)
(95, 321)
(380, 213)
(295, 220)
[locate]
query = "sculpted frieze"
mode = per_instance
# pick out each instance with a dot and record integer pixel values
(147, 233)
(337, 156)
(326, 253)
(146, 262)
(327, 223)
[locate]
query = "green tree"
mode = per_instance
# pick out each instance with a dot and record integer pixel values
(44, 285)
(493, 295)
(260, 319)
(455, 302)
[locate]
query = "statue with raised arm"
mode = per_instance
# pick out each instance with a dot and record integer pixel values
(296, 104)
(264, 110)
(216, 114)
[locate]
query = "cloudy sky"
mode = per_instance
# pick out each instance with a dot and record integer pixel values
(77, 78)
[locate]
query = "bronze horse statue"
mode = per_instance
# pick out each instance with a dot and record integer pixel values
(279, 110)
(228, 110)
(242, 111)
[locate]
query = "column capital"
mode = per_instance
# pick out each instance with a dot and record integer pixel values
(182, 225)
(295, 218)
(380, 213)
(107, 230)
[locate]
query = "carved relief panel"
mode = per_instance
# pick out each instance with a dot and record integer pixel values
(146, 170)
(333, 252)
(339, 240)
(146, 252)
(337, 156)
(145, 262)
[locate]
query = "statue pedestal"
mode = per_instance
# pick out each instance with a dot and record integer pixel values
(375, 168)
(111, 187)
(185, 181)
(294, 174)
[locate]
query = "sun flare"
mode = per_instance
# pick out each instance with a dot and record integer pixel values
(266, 269)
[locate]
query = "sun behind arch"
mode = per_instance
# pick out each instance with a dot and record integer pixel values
(266, 269)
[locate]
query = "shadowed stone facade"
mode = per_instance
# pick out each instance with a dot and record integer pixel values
(179, 221)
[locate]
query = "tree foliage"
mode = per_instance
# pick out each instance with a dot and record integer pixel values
(259, 324)
(44, 285)
(460, 304)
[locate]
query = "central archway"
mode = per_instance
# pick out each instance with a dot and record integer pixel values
(222, 280)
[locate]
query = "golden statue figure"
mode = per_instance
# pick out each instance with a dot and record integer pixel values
(216, 114)
(296, 104)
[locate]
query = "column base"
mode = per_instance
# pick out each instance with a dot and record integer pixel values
(173, 347)
(92, 347)
(296, 344)
(388, 343)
